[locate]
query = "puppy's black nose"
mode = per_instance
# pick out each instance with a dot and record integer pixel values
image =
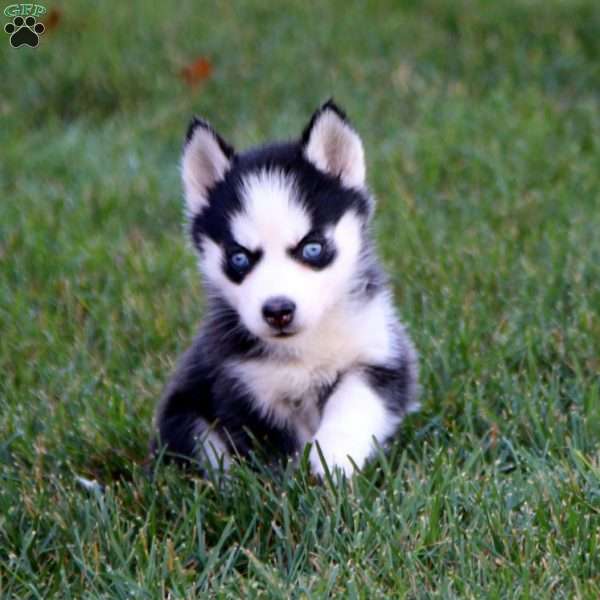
(278, 312)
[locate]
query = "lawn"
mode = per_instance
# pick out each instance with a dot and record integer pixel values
(481, 122)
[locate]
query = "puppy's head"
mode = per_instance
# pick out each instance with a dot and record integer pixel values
(279, 229)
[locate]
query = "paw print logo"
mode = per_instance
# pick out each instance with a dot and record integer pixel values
(24, 32)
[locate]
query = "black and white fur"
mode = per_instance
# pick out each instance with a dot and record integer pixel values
(301, 342)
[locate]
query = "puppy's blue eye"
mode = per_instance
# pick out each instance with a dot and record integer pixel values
(312, 251)
(239, 261)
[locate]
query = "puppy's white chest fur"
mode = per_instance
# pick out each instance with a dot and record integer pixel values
(287, 394)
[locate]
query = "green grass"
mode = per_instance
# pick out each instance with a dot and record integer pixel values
(482, 127)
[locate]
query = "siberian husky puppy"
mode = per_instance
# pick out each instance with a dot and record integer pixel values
(300, 343)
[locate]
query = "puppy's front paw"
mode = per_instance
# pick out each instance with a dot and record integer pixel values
(339, 455)
(334, 464)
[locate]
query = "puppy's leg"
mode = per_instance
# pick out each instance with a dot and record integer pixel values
(354, 417)
(188, 436)
(210, 447)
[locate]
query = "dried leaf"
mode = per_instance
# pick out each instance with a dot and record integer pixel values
(197, 71)
(53, 19)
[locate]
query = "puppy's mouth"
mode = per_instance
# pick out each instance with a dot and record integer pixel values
(284, 333)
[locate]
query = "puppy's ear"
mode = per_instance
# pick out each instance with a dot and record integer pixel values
(205, 161)
(330, 143)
